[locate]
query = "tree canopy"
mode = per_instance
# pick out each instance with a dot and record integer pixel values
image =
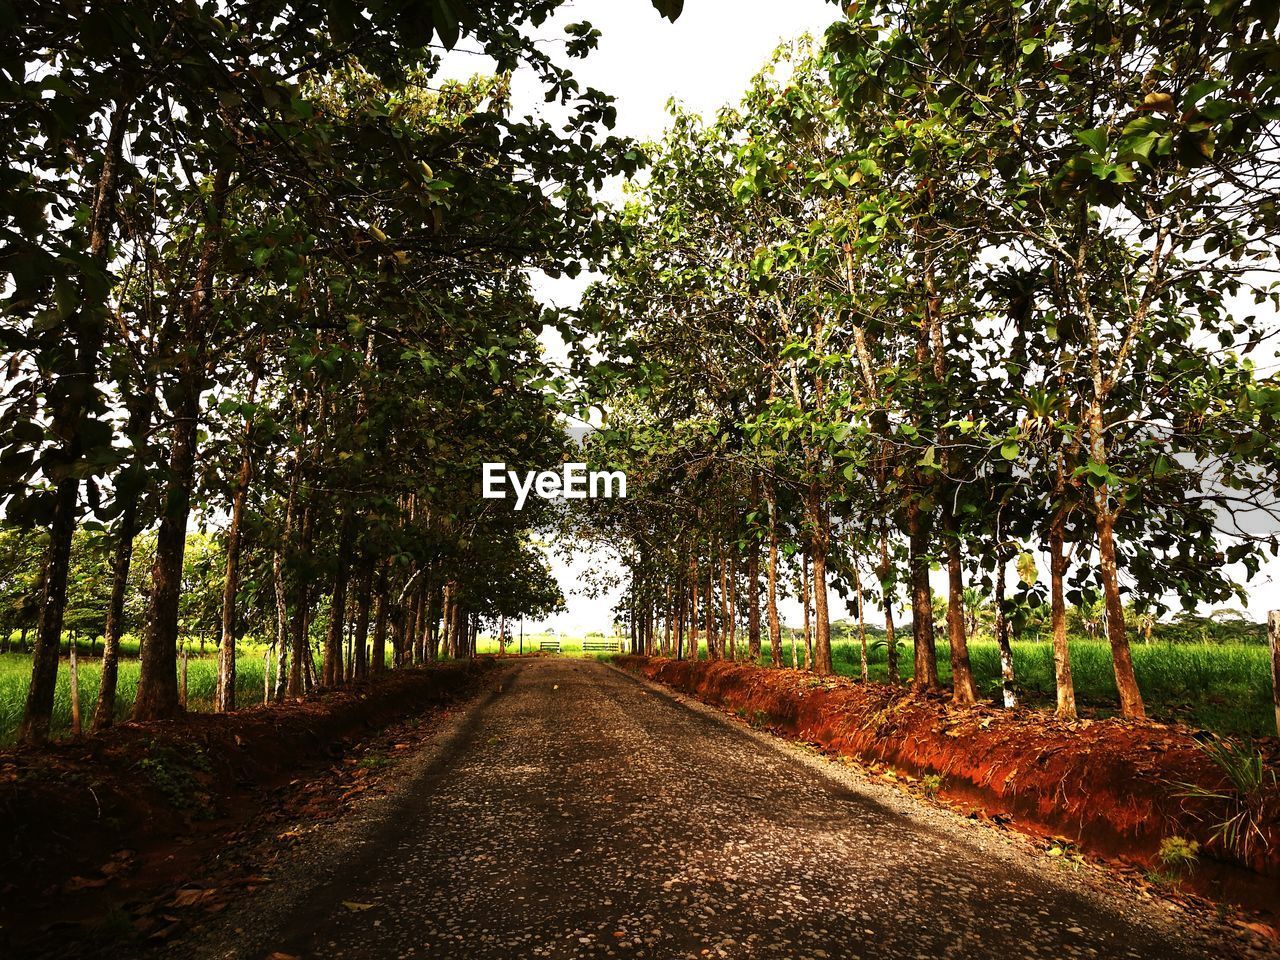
(268, 268)
(955, 289)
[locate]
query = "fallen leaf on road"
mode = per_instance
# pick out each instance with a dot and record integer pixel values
(1261, 928)
(251, 880)
(357, 907)
(82, 883)
(165, 932)
(191, 897)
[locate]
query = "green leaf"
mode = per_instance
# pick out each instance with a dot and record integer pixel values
(671, 9)
(1095, 140)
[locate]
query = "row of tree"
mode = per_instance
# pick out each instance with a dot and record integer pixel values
(963, 288)
(266, 270)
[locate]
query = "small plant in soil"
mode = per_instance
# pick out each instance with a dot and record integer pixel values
(375, 761)
(760, 719)
(1240, 799)
(1178, 857)
(172, 773)
(932, 784)
(1065, 854)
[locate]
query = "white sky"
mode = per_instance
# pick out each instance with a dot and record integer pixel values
(706, 59)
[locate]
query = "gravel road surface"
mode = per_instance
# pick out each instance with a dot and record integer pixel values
(574, 811)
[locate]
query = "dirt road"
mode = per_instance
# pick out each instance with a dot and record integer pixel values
(574, 811)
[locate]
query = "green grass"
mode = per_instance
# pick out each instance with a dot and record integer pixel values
(571, 646)
(1222, 687)
(202, 673)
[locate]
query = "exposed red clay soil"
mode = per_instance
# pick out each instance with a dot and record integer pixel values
(1112, 786)
(150, 800)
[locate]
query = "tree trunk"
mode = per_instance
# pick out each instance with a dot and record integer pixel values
(282, 627)
(349, 657)
(679, 650)
(378, 656)
(1273, 637)
(446, 617)
(771, 601)
(808, 624)
(299, 673)
(44, 662)
(731, 607)
(434, 604)
(281, 586)
(666, 624)
(1122, 659)
(753, 603)
(460, 617)
(1104, 525)
(105, 709)
(709, 608)
(1002, 634)
(225, 696)
(963, 690)
(309, 679)
(77, 386)
(427, 627)
(1058, 618)
(862, 623)
(727, 640)
(157, 696)
(886, 590)
(338, 606)
(74, 670)
(364, 599)
(926, 656)
(426, 624)
(694, 589)
(822, 664)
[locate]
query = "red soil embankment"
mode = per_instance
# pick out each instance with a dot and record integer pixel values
(152, 794)
(1113, 786)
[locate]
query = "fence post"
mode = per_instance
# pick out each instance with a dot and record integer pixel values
(1273, 634)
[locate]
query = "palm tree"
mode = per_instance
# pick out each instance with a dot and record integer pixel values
(977, 610)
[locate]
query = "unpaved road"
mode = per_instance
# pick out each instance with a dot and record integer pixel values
(573, 811)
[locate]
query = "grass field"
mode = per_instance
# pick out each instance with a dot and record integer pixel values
(569, 645)
(1222, 687)
(15, 678)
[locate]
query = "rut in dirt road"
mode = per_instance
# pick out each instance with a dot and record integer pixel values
(577, 812)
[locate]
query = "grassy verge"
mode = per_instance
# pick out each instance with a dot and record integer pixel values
(1222, 687)
(202, 673)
